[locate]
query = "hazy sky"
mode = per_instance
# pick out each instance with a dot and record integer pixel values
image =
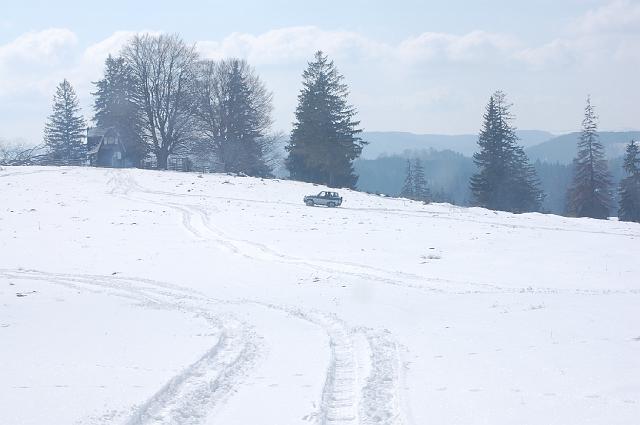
(420, 66)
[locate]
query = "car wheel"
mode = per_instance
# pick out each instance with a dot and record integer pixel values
(309, 202)
(331, 204)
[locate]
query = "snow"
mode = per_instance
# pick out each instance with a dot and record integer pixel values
(143, 297)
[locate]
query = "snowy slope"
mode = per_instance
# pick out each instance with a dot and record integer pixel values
(141, 297)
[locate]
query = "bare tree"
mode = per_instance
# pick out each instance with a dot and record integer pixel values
(163, 67)
(19, 153)
(234, 112)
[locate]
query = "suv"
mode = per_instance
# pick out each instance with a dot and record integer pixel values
(329, 199)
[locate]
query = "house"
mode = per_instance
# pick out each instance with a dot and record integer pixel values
(106, 149)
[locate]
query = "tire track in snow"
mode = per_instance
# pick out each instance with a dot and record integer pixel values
(375, 274)
(381, 394)
(346, 397)
(197, 221)
(190, 396)
(341, 392)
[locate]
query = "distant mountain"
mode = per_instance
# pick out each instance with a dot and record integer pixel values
(395, 142)
(563, 148)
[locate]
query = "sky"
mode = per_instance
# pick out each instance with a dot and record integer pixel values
(417, 66)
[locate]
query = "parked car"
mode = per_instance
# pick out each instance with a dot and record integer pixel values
(329, 199)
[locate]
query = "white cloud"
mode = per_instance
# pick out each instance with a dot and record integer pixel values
(29, 61)
(298, 43)
(96, 53)
(288, 44)
(608, 34)
(615, 16)
(475, 46)
(43, 45)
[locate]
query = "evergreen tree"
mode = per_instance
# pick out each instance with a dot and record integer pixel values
(505, 179)
(408, 186)
(420, 189)
(235, 116)
(65, 129)
(630, 186)
(114, 106)
(589, 194)
(324, 140)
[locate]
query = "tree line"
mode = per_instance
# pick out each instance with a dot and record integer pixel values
(506, 180)
(164, 100)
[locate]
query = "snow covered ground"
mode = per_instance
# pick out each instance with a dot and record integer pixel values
(142, 297)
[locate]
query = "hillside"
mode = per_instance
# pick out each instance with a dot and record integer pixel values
(390, 142)
(144, 297)
(563, 148)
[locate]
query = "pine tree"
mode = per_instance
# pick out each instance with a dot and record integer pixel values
(408, 186)
(65, 129)
(505, 179)
(324, 140)
(114, 106)
(421, 190)
(589, 194)
(629, 189)
(235, 115)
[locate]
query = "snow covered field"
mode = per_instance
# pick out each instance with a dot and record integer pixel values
(142, 297)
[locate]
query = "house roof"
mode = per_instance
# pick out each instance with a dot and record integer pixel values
(100, 133)
(96, 131)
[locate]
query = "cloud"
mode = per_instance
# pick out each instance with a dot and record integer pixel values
(608, 34)
(96, 53)
(472, 47)
(27, 62)
(43, 45)
(615, 16)
(298, 43)
(289, 44)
